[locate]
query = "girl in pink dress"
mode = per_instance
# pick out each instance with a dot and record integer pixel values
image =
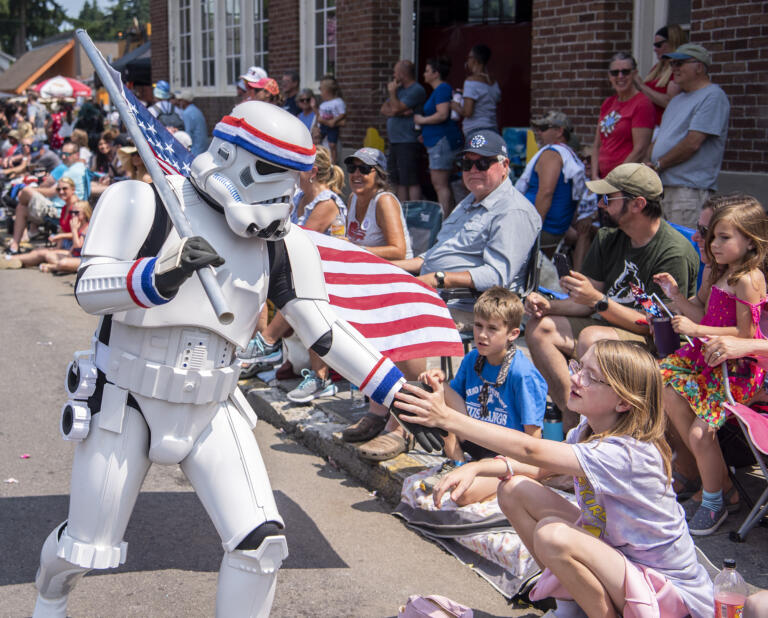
(693, 395)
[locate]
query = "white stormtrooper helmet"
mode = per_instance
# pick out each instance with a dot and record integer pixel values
(252, 167)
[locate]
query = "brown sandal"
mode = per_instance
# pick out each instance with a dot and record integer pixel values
(386, 446)
(366, 428)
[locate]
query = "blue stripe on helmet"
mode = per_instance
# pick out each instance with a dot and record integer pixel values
(264, 154)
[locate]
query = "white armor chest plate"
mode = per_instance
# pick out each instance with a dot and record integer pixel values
(243, 278)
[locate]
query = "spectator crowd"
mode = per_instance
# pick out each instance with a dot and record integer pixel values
(632, 218)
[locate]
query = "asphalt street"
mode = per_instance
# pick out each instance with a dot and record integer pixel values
(348, 555)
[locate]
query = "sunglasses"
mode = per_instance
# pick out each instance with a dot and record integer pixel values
(658, 44)
(482, 165)
(676, 64)
(59, 189)
(544, 127)
(363, 168)
(605, 199)
(67, 154)
(702, 230)
(303, 100)
(74, 213)
(622, 72)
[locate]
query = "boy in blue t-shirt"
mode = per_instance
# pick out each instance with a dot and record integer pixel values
(495, 382)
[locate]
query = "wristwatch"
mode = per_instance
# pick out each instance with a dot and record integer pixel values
(440, 278)
(601, 305)
(656, 166)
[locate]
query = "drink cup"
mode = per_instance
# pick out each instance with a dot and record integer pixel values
(664, 336)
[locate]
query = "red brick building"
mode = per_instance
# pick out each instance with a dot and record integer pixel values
(547, 54)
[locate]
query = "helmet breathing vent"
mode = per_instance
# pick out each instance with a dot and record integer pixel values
(245, 176)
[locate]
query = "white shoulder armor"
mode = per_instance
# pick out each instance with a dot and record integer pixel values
(121, 221)
(306, 266)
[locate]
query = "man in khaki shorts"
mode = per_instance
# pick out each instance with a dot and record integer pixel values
(600, 303)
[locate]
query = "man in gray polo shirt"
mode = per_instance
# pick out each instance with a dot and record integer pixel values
(688, 150)
(487, 238)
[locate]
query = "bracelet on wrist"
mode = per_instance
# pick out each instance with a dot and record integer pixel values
(510, 472)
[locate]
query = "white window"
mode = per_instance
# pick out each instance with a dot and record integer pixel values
(207, 43)
(185, 43)
(212, 42)
(232, 30)
(260, 32)
(325, 38)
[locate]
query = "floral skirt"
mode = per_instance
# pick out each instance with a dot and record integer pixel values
(702, 387)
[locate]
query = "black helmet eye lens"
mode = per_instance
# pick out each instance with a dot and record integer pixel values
(264, 169)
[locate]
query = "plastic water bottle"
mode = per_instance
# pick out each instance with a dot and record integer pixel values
(356, 397)
(339, 227)
(553, 423)
(730, 591)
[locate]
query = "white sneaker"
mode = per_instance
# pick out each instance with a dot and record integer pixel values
(312, 387)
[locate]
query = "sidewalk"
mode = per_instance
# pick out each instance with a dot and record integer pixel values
(318, 424)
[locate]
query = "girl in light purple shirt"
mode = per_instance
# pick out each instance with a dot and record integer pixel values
(624, 548)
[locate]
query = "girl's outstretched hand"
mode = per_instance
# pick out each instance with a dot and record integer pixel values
(457, 480)
(422, 407)
(435, 373)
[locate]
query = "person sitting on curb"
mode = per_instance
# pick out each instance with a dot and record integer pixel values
(36, 203)
(623, 548)
(640, 245)
(495, 383)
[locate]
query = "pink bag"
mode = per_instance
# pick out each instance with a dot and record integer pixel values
(433, 606)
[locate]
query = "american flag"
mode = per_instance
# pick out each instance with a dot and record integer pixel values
(170, 154)
(400, 316)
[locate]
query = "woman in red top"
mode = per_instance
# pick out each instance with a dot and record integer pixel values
(659, 85)
(626, 121)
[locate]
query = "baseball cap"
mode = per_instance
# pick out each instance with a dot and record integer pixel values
(183, 138)
(186, 95)
(371, 156)
(266, 83)
(486, 143)
(689, 51)
(253, 74)
(633, 178)
(162, 90)
(553, 119)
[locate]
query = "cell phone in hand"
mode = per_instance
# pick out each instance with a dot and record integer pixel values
(562, 264)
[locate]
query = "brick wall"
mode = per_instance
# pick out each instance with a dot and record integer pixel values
(736, 34)
(158, 15)
(214, 108)
(368, 47)
(571, 45)
(283, 37)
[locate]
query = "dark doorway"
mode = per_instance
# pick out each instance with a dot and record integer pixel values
(452, 28)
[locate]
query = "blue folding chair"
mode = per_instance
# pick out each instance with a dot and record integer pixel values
(423, 220)
(688, 233)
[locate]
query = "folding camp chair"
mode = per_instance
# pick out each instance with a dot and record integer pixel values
(755, 428)
(423, 220)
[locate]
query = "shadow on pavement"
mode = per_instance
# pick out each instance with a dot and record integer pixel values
(168, 530)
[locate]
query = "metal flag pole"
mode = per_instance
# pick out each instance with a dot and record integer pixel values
(171, 203)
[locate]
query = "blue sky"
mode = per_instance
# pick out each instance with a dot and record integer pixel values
(72, 7)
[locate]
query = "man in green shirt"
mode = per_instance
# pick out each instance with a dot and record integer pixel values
(600, 303)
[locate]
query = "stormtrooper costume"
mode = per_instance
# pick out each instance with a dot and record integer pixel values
(159, 383)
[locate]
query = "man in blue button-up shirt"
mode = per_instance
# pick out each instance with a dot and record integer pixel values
(486, 240)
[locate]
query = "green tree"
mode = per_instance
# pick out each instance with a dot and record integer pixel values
(107, 24)
(24, 22)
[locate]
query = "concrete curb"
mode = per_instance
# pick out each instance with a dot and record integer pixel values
(318, 426)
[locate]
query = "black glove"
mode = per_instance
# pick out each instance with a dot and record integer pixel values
(429, 438)
(174, 269)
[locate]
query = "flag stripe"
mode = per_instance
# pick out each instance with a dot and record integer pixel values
(382, 300)
(404, 325)
(422, 350)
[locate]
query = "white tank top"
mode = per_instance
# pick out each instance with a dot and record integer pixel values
(368, 233)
